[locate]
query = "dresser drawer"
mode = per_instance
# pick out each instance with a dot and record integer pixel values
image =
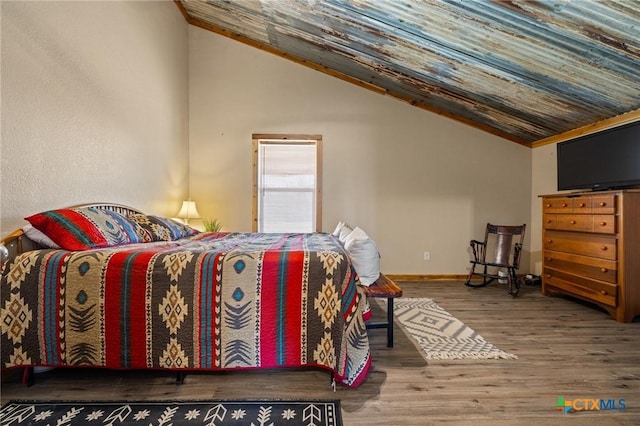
(583, 204)
(593, 245)
(574, 222)
(602, 224)
(605, 293)
(603, 204)
(557, 205)
(590, 267)
(549, 221)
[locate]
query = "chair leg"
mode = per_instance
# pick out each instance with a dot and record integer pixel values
(468, 283)
(484, 278)
(471, 272)
(484, 282)
(514, 285)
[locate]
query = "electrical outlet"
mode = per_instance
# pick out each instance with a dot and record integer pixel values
(427, 255)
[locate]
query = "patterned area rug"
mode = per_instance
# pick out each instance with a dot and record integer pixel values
(258, 413)
(441, 335)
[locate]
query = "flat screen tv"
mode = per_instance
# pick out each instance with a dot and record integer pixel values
(605, 160)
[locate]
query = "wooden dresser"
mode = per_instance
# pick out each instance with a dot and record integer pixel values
(591, 249)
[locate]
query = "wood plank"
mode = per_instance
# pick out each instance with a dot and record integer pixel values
(383, 287)
(619, 120)
(564, 348)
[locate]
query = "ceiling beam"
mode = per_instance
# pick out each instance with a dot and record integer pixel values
(628, 117)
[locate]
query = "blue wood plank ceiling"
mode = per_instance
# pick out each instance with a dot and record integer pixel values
(522, 70)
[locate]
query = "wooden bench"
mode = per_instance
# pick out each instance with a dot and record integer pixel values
(385, 288)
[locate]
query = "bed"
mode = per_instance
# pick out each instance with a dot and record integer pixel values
(105, 285)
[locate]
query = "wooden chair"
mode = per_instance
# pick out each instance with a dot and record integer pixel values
(499, 251)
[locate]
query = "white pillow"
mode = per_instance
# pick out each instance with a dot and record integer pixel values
(339, 226)
(344, 231)
(364, 256)
(38, 236)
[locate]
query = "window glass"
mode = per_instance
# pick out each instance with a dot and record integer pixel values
(287, 185)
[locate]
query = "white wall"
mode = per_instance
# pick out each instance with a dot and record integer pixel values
(413, 180)
(94, 106)
(123, 102)
(544, 181)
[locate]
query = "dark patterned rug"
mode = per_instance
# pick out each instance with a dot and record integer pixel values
(218, 412)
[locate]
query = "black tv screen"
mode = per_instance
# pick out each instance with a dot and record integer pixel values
(604, 160)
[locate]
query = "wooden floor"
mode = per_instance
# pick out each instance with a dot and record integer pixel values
(564, 349)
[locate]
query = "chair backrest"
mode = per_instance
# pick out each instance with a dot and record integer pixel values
(507, 242)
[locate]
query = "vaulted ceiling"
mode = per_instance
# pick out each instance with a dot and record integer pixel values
(523, 70)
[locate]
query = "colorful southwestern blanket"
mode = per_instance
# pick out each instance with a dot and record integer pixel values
(213, 301)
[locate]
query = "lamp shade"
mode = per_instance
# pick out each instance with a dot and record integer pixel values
(188, 211)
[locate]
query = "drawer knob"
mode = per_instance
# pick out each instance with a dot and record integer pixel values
(603, 223)
(582, 204)
(573, 222)
(548, 220)
(602, 204)
(548, 205)
(548, 275)
(549, 241)
(604, 270)
(603, 292)
(603, 248)
(564, 204)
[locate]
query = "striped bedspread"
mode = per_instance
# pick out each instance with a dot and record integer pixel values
(213, 301)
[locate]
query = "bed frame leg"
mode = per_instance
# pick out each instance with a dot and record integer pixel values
(28, 377)
(333, 381)
(180, 376)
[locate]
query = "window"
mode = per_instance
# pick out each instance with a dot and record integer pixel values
(287, 183)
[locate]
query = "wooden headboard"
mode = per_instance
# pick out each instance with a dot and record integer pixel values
(17, 242)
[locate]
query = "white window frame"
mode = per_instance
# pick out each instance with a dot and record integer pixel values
(282, 139)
